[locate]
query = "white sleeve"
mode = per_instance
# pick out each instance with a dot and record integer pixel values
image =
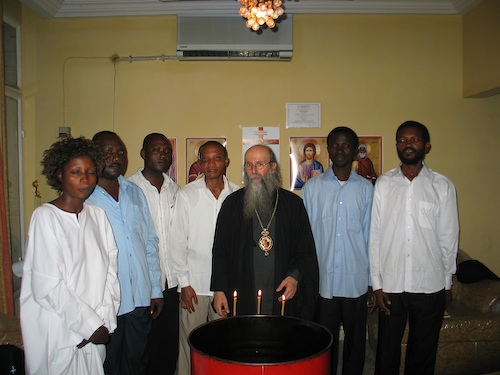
(179, 234)
(374, 244)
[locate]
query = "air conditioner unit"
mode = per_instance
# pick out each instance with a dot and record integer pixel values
(227, 38)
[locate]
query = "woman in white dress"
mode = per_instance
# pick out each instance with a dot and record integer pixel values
(70, 293)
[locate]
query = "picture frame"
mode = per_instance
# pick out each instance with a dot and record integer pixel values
(369, 165)
(304, 165)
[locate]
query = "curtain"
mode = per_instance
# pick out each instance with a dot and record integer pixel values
(6, 287)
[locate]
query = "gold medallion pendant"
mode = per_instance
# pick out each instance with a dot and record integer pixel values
(266, 242)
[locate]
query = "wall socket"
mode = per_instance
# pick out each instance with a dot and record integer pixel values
(64, 131)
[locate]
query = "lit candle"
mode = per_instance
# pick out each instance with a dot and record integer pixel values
(235, 297)
(259, 298)
(283, 305)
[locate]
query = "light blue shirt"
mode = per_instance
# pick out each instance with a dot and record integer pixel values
(139, 271)
(340, 221)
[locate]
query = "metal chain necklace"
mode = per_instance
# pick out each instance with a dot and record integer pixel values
(265, 241)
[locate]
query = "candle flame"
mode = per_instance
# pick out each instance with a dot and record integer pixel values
(283, 305)
(259, 293)
(234, 302)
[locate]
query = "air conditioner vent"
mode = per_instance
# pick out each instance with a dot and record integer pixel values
(236, 55)
(227, 38)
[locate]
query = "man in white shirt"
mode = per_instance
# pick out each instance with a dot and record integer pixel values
(160, 191)
(195, 214)
(413, 248)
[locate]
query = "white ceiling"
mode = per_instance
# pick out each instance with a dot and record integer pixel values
(128, 8)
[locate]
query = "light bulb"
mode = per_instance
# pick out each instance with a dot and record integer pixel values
(260, 12)
(270, 22)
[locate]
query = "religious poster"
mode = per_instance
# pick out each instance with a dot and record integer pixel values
(309, 158)
(368, 162)
(172, 171)
(193, 170)
(261, 135)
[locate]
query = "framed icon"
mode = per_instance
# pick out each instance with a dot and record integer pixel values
(309, 158)
(368, 162)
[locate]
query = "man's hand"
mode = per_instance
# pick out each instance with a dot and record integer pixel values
(188, 296)
(156, 307)
(290, 285)
(372, 300)
(100, 336)
(220, 304)
(383, 301)
(82, 344)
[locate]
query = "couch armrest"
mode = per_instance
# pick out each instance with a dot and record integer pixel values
(483, 296)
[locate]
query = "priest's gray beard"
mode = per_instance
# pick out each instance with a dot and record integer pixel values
(259, 195)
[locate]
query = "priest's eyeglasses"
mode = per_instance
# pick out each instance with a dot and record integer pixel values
(259, 165)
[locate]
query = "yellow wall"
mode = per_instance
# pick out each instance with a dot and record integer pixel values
(12, 10)
(481, 28)
(369, 72)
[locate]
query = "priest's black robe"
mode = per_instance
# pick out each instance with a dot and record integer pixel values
(232, 260)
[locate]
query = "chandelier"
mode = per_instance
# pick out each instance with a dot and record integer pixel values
(260, 12)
